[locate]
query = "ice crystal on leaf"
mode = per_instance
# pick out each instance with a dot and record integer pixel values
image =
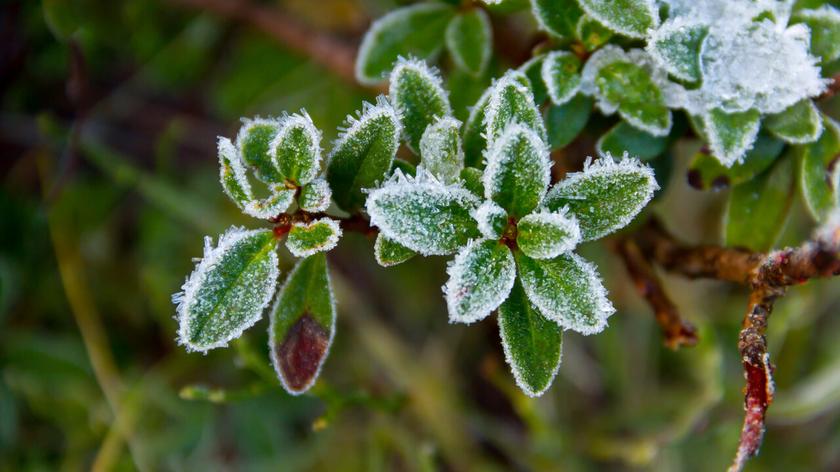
(480, 278)
(440, 150)
(545, 235)
(296, 148)
(491, 218)
(511, 100)
(305, 239)
(631, 18)
(315, 196)
(416, 92)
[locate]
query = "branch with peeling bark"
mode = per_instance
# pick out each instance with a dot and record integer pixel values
(768, 275)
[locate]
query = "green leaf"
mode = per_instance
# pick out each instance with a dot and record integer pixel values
(565, 122)
(560, 73)
(440, 150)
(533, 71)
(389, 252)
(474, 137)
(706, 172)
(305, 239)
(798, 124)
(546, 235)
(363, 153)
(625, 138)
(605, 197)
(675, 46)
(254, 144)
(422, 214)
(472, 179)
(632, 18)
(480, 278)
(417, 93)
(558, 17)
(278, 202)
(302, 324)
(492, 219)
(532, 344)
(518, 170)
(591, 33)
(731, 135)
(817, 161)
(757, 209)
(297, 149)
(511, 101)
(469, 39)
(315, 196)
(824, 23)
(228, 290)
(640, 101)
(404, 166)
(232, 174)
(566, 290)
(417, 30)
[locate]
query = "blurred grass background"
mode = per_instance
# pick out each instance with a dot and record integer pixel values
(110, 112)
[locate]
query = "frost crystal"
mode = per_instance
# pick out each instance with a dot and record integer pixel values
(491, 219)
(422, 214)
(440, 150)
(545, 235)
(315, 196)
(228, 290)
(316, 236)
(480, 278)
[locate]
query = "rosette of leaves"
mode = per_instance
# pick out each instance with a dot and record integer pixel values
(237, 278)
(512, 238)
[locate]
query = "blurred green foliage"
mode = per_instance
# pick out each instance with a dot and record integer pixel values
(111, 183)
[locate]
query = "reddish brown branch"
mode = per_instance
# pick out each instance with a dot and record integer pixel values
(832, 88)
(675, 330)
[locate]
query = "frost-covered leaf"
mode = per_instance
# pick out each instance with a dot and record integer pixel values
(559, 71)
(818, 160)
(636, 96)
(591, 33)
(558, 17)
(545, 235)
(518, 170)
(480, 278)
(305, 239)
(566, 290)
(533, 71)
(296, 149)
(532, 343)
(469, 39)
(422, 214)
(757, 209)
(565, 122)
(632, 18)
(389, 252)
(363, 153)
(417, 93)
(824, 23)
(706, 172)
(440, 150)
(675, 46)
(731, 135)
(228, 290)
(474, 136)
(315, 196)
(606, 196)
(417, 30)
(302, 324)
(232, 174)
(798, 124)
(511, 101)
(625, 138)
(492, 219)
(472, 180)
(278, 202)
(254, 144)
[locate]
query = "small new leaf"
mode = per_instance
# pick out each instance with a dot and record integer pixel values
(254, 144)
(491, 218)
(511, 101)
(518, 170)
(296, 149)
(560, 74)
(228, 290)
(731, 135)
(591, 33)
(469, 39)
(422, 214)
(675, 46)
(417, 30)
(362, 155)
(638, 98)
(302, 324)
(389, 253)
(440, 150)
(798, 124)
(566, 290)
(315, 196)
(418, 96)
(558, 17)
(824, 23)
(818, 160)
(474, 137)
(533, 71)
(532, 344)
(278, 202)
(632, 18)
(606, 196)
(305, 239)
(545, 235)
(625, 138)
(232, 174)
(480, 278)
